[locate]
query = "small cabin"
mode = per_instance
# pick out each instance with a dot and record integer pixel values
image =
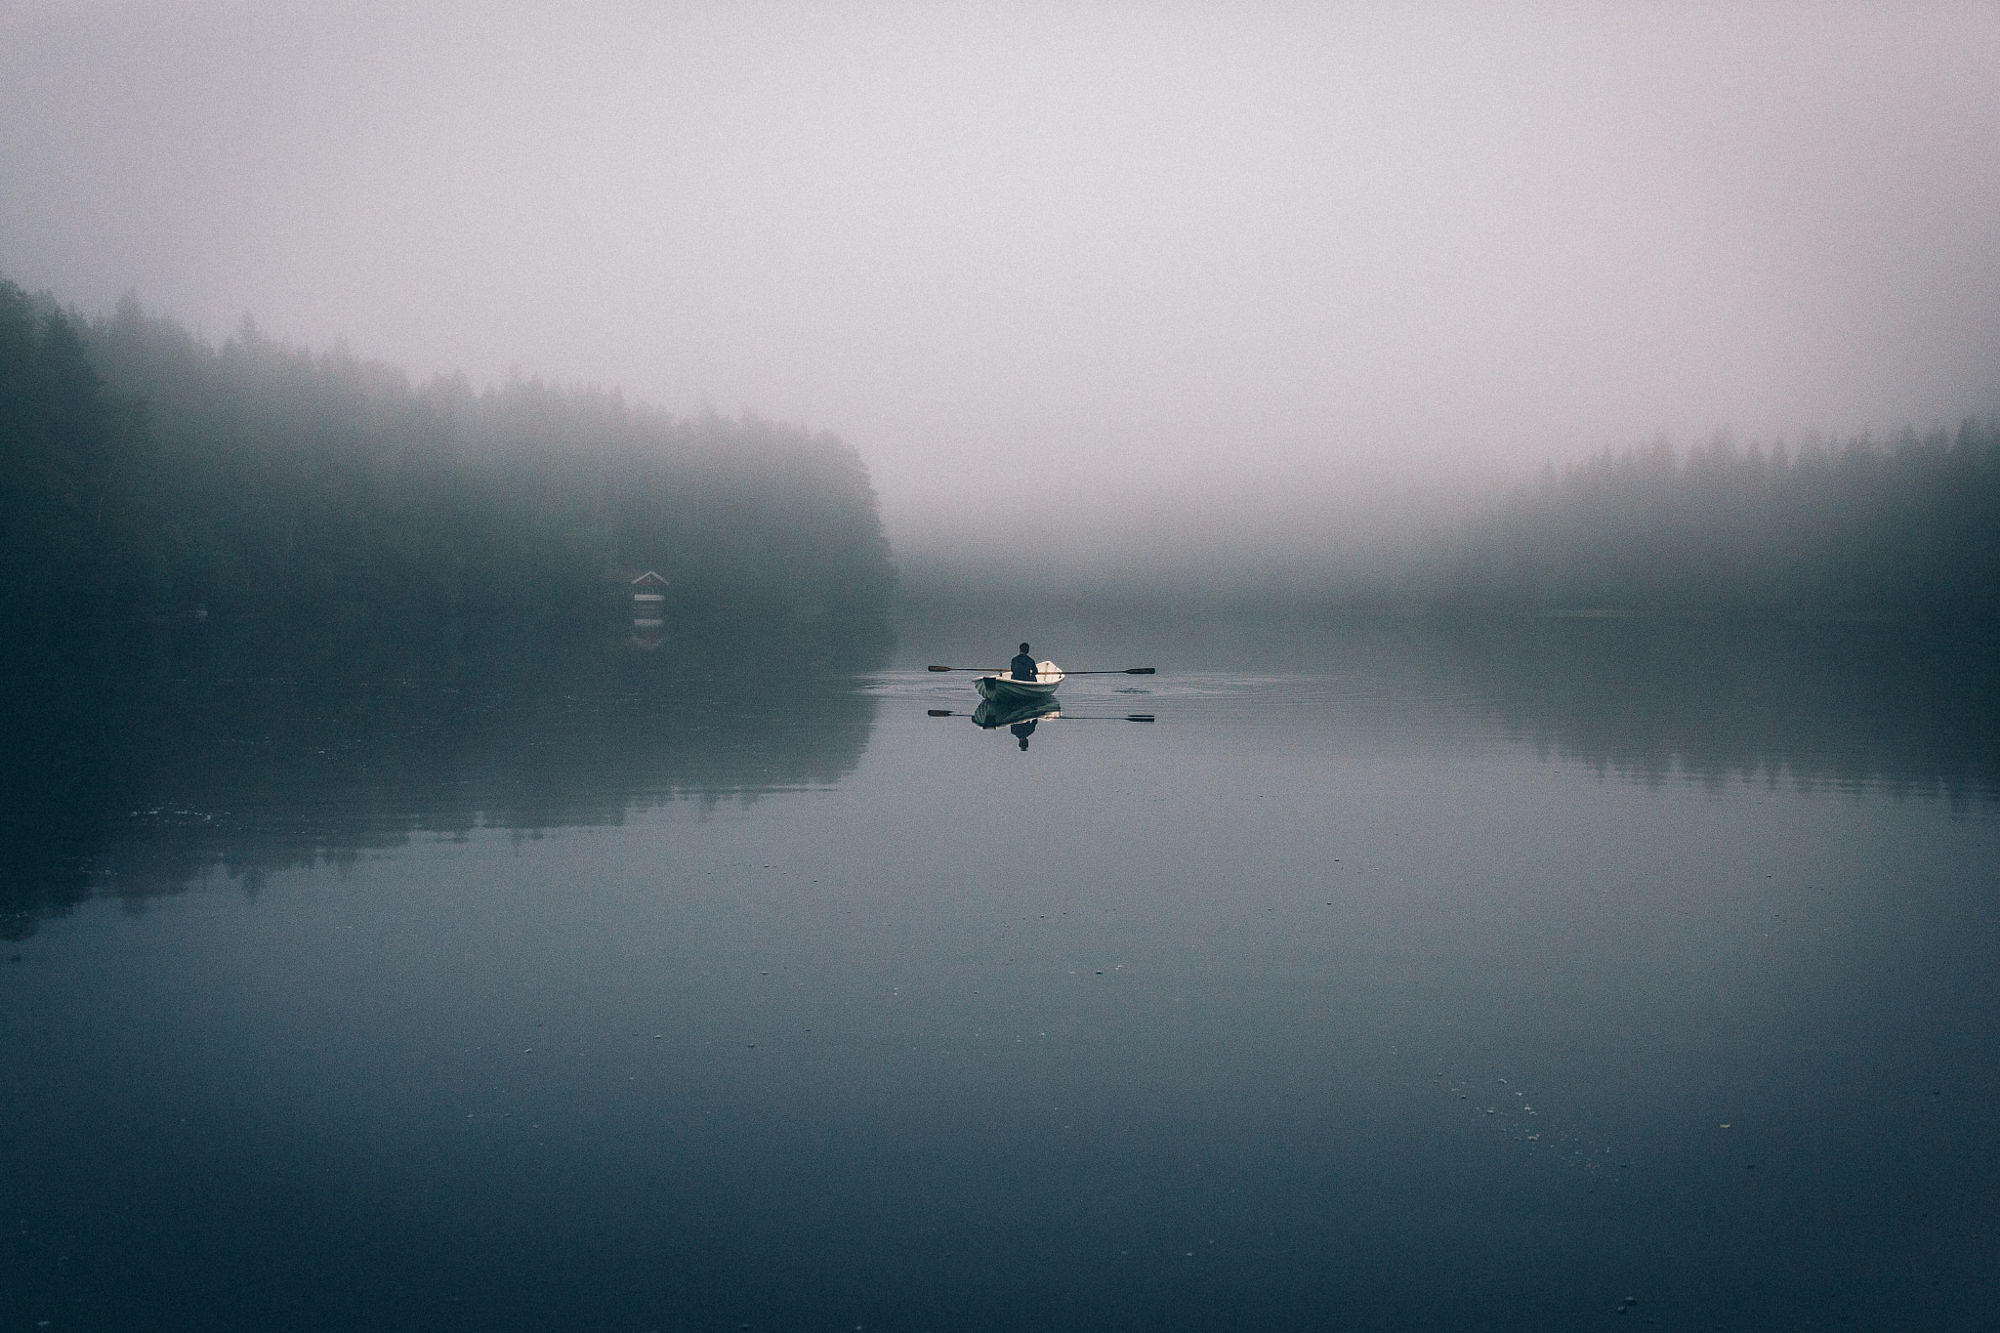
(649, 600)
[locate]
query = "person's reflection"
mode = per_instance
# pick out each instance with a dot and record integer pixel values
(1023, 730)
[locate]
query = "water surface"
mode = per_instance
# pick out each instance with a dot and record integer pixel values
(1386, 979)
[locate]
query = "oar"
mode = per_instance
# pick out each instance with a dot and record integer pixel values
(1118, 671)
(1057, 717)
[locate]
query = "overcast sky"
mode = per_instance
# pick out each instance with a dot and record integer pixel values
(1234, 262)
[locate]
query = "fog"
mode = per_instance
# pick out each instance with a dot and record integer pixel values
(1242, 292)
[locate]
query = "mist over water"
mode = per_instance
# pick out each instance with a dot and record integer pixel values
(1089, 289)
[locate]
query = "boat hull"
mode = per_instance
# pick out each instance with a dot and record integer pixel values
(1007, 690)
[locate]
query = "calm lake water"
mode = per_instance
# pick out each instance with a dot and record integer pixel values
(1569, 977)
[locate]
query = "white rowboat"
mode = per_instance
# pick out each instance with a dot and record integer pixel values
(1007, 690)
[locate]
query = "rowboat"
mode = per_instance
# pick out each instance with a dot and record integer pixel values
(1006, 690)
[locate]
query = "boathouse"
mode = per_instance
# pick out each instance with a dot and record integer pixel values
(649, 600)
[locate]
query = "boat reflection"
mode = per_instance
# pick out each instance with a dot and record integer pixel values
(1022, 718)
(992, 716)
(1019, 718)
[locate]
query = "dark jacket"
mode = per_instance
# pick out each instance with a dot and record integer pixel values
(1023, 666)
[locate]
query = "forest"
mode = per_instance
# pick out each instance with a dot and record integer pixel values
(148, 473)
(1902, 529)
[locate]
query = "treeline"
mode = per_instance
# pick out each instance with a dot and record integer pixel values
(146, 471)
(1907, 528)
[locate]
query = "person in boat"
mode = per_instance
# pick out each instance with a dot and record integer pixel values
(1023, 666)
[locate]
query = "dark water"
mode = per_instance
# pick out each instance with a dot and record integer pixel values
(1566, 976)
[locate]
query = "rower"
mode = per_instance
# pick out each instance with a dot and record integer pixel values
(1023, 667)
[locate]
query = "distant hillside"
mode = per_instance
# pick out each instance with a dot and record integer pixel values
(146, 471)
(1905, 529)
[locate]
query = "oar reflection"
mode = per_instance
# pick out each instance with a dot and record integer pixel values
(1021, 719)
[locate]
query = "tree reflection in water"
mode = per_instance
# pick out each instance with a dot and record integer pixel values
(1837, 705)
(135, 764)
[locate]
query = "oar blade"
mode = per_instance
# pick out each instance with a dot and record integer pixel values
(938, 712)
(1139, 671)
(1138, 717)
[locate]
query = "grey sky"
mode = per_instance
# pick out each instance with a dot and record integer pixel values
(1246, 265)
